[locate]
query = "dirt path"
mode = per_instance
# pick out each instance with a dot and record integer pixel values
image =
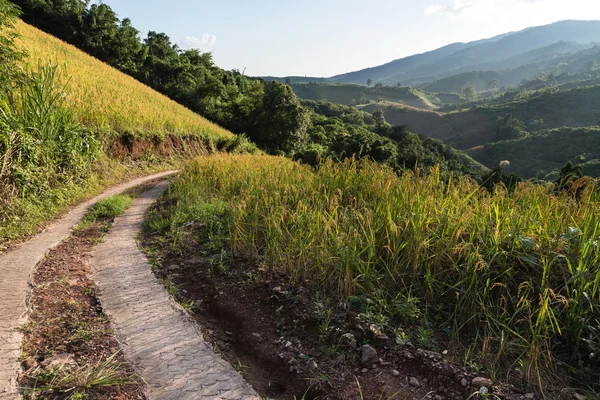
(16, 267)
(157, 336)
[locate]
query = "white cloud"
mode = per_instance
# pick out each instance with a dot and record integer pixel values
(205, 42)
(457, 7)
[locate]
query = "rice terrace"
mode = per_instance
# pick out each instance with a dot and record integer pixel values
(241, 208)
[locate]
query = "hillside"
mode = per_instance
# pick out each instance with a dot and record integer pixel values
(349, 94)
(102, 97)
(543, 154)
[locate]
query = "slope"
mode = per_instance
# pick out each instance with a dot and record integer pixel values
(349, 94)
(101, 96)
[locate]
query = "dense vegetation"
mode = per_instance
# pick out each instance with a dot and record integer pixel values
(542, 154)
(270, 114)
(512, 276)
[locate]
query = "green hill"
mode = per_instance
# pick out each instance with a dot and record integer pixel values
(543, 154)
(349, 94)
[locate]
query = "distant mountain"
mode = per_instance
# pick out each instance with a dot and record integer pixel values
(507, 51)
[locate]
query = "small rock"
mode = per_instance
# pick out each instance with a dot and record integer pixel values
(368, 355)
(578, 396)
(257, 335)
(464, 382)
(414, 382)
(277, 289)
(530, 396)
(396, 373)
(29, 363)
(481, 381)
(365, 370)
(425, 380)
(349, 340)
(438, 397)
(384, 363)
(59, 361)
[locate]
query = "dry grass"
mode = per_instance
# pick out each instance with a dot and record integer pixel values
(101, 96)
(516, 272)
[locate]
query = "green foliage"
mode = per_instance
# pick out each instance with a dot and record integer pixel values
(469, 93)
(342, 132)
(513, 273)
(9, 54)
(41, 147)
(542, 154)
(109, 208)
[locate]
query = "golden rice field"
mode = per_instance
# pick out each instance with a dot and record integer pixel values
(519, 273)
(101, 96)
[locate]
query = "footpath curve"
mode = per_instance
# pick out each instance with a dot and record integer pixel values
(157, 336)
(16, 267)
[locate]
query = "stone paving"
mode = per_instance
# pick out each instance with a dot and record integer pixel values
(16, 267)
(157, 336)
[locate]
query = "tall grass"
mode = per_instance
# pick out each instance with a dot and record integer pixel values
(101, 96)
(519, 272)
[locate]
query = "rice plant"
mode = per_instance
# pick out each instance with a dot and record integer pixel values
(518, 273)
(101, 96)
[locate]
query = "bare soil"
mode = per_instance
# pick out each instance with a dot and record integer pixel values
(67, 323)
(267, 329)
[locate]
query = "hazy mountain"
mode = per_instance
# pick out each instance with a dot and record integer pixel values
(507, 51)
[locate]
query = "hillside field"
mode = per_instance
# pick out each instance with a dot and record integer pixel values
(102, 97)
(511, 276)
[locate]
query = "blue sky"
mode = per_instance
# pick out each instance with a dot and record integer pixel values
(328, 37)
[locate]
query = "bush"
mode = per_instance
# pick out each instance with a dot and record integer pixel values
(109, 208)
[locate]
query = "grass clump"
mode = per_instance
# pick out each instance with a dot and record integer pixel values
(513, 275)
(109, 208)
(70, 381)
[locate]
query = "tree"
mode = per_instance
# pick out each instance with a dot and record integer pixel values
(9, 55)
(288, 81)
(378, 85)
(494, 83)
(469, 93)
(380, 122)
(281, 121)
(399, 84)
(369, 82)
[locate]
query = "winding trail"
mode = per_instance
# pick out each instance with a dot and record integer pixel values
(157, 336)
(16, 267)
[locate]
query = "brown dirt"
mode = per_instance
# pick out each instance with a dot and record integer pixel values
(267, 329)
(66, 317)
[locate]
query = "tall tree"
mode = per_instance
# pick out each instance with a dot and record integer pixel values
(369, 82)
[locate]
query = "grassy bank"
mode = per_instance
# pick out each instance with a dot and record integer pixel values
(512, 277)
(71, 125)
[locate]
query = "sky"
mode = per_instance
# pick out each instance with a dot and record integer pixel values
(328, 37)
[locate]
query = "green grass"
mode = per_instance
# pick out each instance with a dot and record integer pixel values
(517, 275)
(109, 208)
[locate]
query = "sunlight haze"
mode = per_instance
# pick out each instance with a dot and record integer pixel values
(325, 38)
